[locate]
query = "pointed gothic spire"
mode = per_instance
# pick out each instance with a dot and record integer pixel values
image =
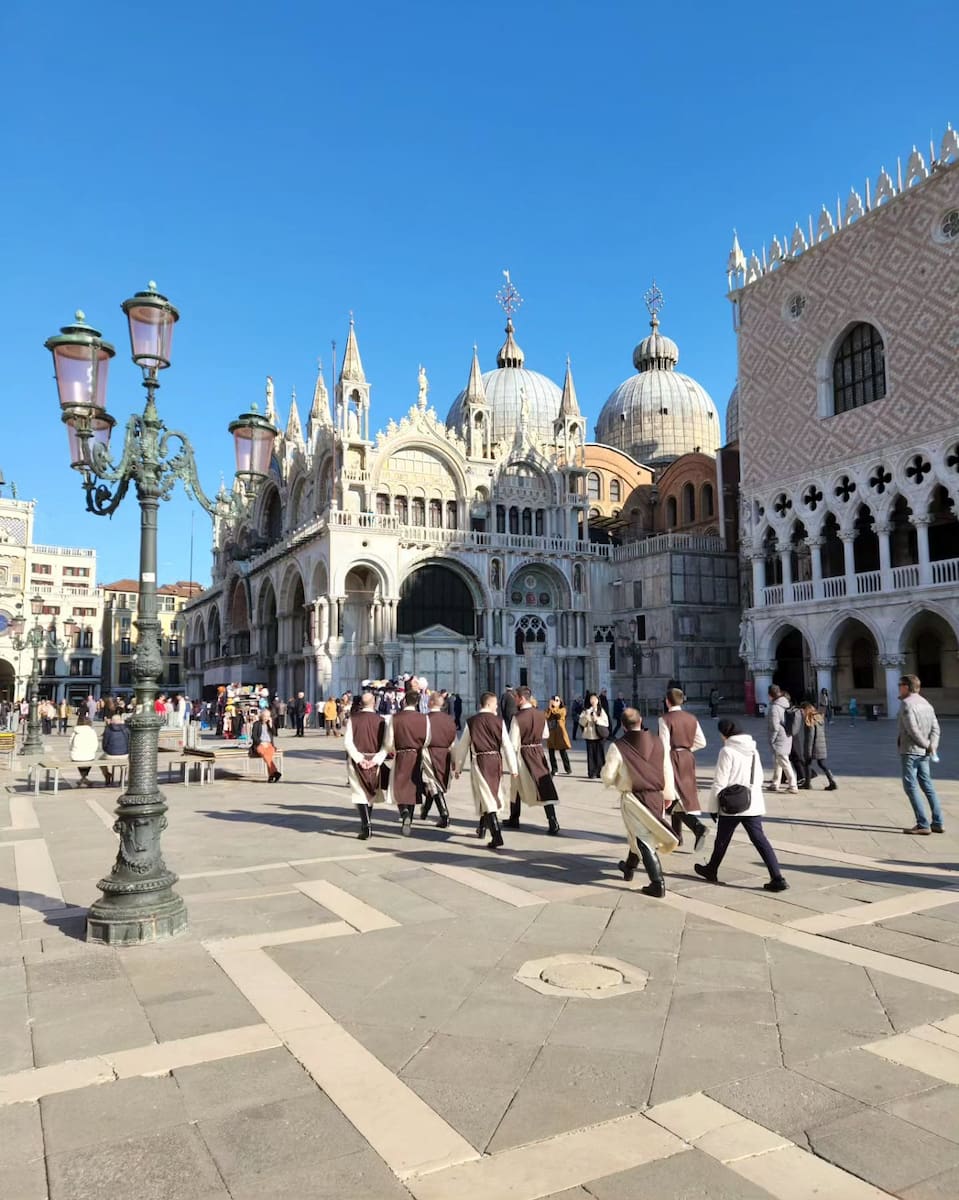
(569, 406)
(294, 431)
(320, 411)
(475, 391)
(352, 369)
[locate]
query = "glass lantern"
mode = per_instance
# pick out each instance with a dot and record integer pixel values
(151, 318)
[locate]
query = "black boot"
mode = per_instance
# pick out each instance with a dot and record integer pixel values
(551, 818)
(512, 821)
(443, 822)
(676, 821)
(406, 816)
(481, 826)
(629, 865)
(425, 808)
(366, 827)
(657, 885)
(492, 824)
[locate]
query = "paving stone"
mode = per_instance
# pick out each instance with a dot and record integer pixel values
(884, 1150)
(112, 1112)
(112, 1020)
(271, 1137)
(475, 1111)
(925, 925)
(393, 1045)
(16, 1052)
(499, 1004)
(482, 1061)
(74, 972)
(24, 1181)
(569, 927)
(358, 1176)
(907, 1004)
(939, 1187)
(173, 1164)
(784, 1101)
(21, 1137)
(866, 1076)
(633, 1023)
(901, 945)
(689, 1175)
(568, 1087)
(936, 1110)
(247, 1081)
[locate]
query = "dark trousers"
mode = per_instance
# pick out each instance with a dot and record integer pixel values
(798, 765)
(299, 718)
(755, 833)
(564, 755)
(595, 757)
(822, 764)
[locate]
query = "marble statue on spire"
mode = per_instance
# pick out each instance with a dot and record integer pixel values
(424, 389)
(270, 402)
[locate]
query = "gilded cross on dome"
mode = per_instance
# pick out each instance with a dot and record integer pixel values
(654, 300)
(508, 297)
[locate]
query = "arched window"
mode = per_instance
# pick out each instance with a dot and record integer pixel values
(539, 522)
(707, 501)
(527, 521)
(382, 504)
(450, 514)
(402, 510)
(592, 485)
(671, 512)
(615, 491)
(419, 510)
(436, 514)
(435, 595)
(500, 518)
(859, 369)
(514, 519)
(689, 504)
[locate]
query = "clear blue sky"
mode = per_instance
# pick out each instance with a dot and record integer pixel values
(274, 166)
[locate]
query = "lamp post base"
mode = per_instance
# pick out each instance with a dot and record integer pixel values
(123, 921)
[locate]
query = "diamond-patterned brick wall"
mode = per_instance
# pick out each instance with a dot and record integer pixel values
(888, 269)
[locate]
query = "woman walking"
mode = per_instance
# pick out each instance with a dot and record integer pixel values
(739, 764)
(812, 745)
(558, 736)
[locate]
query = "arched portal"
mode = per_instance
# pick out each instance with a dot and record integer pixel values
(239, 620)
(7, 681)
(436, 622)
(793, 669)
(269, 637)
(858, 672)
(932, 653)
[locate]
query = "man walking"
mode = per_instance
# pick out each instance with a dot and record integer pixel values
(534, 783)
(780, 741)
(635, 768)
(507, 704)
(619, 707)
(437, 761)
(299, 713)
(407, 734)
(681, 735)
(918, 743)
(364, 742)
(485, 739)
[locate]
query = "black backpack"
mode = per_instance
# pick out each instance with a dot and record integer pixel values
(792, 722)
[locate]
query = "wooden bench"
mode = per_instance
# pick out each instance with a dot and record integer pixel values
(8, 749)
(232, 758)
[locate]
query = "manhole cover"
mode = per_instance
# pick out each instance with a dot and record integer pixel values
(582, 977)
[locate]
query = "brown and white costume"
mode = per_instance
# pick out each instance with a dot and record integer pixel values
(681, 735)
(437, 754)
(527, 732)
(408, 733)
(494, 762)
(364, 740)
(635, 768)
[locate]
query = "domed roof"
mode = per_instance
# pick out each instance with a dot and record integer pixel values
(659, 413)
(732, 415)
(512, 394)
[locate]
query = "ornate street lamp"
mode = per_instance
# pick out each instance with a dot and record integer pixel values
(37, 639)
(138, 902)
(627, 644)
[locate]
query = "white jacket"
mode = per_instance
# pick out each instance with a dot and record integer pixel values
(738, 754)
(84, 744)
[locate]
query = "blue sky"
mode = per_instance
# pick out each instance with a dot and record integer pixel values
(273, 166)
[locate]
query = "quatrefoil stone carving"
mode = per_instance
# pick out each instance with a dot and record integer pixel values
(880, 480)
(918, 469)
(813, 497)
(783, 504)
(845, 488)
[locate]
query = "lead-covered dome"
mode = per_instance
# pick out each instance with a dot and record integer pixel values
(511, 394)
(659, 413)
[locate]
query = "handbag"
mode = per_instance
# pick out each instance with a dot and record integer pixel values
(737, 797)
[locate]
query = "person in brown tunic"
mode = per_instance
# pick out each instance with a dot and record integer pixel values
(635, 766)
(485, 739)
(409, 732)
(437, 761)
(534, 783)
(364, 742)
(682, 736)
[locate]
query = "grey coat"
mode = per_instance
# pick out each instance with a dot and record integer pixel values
(918, 726)
(814, 741)
(779, 740)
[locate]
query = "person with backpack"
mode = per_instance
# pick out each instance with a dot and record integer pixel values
(737, 797)
(812, 745)
(779, 732)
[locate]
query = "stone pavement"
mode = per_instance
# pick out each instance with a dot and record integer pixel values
(413, 1017)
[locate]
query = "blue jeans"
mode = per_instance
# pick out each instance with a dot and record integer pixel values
(915, 771)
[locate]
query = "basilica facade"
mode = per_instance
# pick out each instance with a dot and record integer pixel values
(498, 546)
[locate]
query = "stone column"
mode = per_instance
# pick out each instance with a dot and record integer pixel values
(849, 562)
(815, 545)
(824, 669)
(340, 605)
(893, 665)
(785, 558)
(762, 679)
(759, 579)
(921, 522)
(885, 563)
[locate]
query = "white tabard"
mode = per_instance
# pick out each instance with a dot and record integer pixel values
(641, 825)
(354, 756)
